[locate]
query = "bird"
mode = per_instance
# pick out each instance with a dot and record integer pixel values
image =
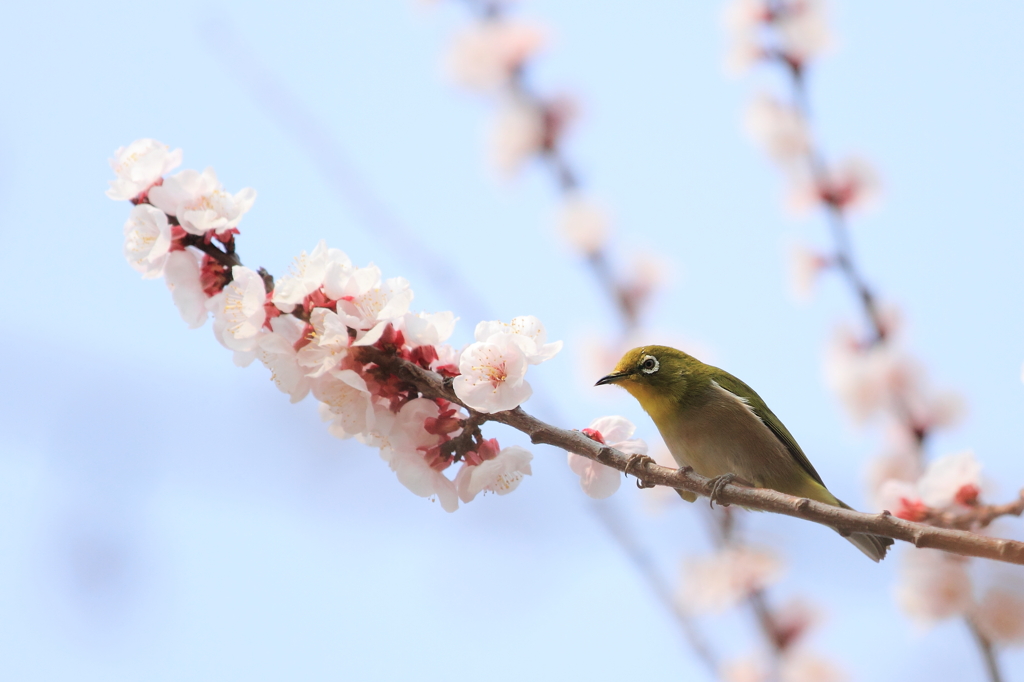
(717, 425)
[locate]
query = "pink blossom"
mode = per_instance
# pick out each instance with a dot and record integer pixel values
(743, 20)
(719, 581)
(933, 585)
(583, 224)
(779, 128)
(517, 136)
(493, 375)
(902, 499)
(147, 240)
(500, 475)
(596, 479)
(404, 447)
(200, 203)
(486, 55)
(238, 311)
(181, 272)
(138, 166)
(852, 184)
(1000, 615)
(946, 478)
(804, 267)
(803, 30)
(345, 403)
(867, 378)
(277, 352)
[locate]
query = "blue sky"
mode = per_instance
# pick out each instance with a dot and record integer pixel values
(165, 515)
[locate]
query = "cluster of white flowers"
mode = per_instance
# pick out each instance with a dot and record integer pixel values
(308, 327)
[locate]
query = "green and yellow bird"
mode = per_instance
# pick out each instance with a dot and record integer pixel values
(715, 423)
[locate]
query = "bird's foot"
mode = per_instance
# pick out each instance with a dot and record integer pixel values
(638, 461)
(717, 483)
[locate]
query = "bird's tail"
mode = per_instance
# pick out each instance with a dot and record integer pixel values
(873, 546)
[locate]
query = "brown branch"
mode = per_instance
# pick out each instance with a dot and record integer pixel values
(974, 517)
(844, 521)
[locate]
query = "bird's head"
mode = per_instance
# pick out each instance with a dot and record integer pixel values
(656, 374)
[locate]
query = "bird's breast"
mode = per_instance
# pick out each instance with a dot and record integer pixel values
(721, 435)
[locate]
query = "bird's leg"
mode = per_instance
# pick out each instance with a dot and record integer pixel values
(719, 482)
(637, 461)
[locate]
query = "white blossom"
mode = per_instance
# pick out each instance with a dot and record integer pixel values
(181, 272)
(583, 224)
(933, 585)
(947, 476)
(277, 352)
(330, 344)
(426, 329)
(366, 304)
(721, 580)
(486, 55)
(777, 127)
(851, 184)
(517, 135)
(493, 375)
(138, 166)
(308, 273)
(200, 203)
(500, 475)
(596, 479)
(406, 442)
(147, 240)
(345, 402)
(526, 331)
(238, 310)
(804, 267)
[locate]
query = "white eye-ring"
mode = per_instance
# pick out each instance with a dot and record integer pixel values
(649, 364)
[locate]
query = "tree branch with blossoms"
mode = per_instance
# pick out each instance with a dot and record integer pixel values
(492, 57)
(384, 374)
(871, 374)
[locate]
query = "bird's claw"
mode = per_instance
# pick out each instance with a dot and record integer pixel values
(641, 462)
(717, 483)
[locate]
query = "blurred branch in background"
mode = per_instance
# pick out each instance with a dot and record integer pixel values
(871, 373)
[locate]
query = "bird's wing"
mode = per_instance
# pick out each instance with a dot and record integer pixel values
(757, 406)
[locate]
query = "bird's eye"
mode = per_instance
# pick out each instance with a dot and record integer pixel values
(649, 364)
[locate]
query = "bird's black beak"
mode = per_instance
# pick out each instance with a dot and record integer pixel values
(612, 378)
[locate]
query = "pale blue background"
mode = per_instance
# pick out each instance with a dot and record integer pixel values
(166, 516)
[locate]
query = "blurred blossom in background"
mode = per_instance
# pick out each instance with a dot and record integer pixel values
(167, 515)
